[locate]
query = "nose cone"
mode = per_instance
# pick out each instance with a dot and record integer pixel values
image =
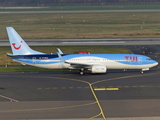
(155, 63)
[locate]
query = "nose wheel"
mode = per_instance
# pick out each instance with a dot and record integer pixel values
(141, 72)
(145, 69)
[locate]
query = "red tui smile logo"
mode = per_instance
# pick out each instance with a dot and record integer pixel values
(17, 48)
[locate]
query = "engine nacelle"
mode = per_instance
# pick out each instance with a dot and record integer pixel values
(99, 69)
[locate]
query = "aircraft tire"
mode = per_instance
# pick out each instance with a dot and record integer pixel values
(141, 72)
(81, 72)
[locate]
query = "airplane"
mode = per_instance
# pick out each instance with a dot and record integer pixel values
(96, 63)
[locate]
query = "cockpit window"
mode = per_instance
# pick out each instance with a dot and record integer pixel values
(148, 58)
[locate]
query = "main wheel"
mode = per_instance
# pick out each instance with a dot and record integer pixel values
(81, 72)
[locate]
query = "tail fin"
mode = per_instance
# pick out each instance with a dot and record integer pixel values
(18, 45)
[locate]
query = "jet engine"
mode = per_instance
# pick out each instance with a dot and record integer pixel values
(99, 69)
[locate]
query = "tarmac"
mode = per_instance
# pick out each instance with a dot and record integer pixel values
(65, 95)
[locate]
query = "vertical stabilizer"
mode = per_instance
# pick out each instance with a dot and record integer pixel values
(18, 45)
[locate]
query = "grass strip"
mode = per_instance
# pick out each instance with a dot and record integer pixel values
(82, 25)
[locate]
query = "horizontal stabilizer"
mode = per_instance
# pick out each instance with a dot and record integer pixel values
(10, 55)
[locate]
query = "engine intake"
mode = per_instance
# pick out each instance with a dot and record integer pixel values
(99, 69)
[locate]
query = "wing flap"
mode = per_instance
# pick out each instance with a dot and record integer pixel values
(79, 65)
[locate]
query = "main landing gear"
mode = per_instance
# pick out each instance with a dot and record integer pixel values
(81, 72)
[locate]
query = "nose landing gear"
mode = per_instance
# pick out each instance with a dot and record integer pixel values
(145, 69)
(141, 72)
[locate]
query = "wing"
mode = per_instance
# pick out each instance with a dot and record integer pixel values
(74, 65)
(79, 65)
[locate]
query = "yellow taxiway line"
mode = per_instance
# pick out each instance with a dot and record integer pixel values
(99, 89)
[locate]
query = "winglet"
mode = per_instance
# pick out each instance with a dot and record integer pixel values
(60, 57)
(60, 52)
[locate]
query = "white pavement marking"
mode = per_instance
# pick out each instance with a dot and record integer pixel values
(13, 100)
